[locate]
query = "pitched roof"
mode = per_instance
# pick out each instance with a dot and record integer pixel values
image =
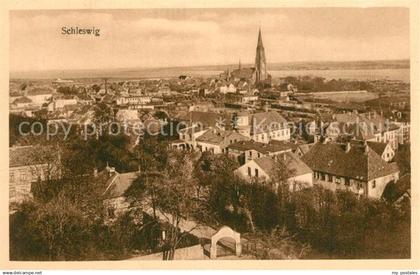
(295, 166)
(378, 147)
(22, 99)
(357, 163)
(216, 136)
(305, 148)
(265, 120)
(209, 119)
(245, 73)
(364, 125)
(265, 148)
(394, 190)
(118, 183)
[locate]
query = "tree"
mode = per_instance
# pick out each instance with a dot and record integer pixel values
(167, 187)
(103, 115)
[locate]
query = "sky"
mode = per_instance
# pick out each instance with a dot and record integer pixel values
(188, 37)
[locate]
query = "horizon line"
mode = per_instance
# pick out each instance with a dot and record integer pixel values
(202, 65)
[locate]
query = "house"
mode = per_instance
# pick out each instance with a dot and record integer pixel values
(247, 150)
(302, 149)
(217, 141)
(58, 104)
(356, 168)
(187, 137)
(29, 164)
(133, 100)
(209, 119)
(226, 89)
(22, 102)
(114, 197)
(263, 127)
(39, 96)
(364, 127)
(128, 116)
(384, 150)
(404, 132)
(249, 98)
(264, 169)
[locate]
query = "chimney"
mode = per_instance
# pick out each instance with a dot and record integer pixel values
(110, 169)
(348, 147)
(366, 147)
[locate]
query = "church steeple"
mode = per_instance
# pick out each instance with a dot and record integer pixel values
(260, 62)
(260, 42)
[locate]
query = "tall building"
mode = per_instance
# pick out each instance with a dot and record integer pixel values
(260, 62)
(255, 75)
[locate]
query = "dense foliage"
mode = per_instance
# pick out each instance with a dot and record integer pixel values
(65, 220)
(319, 84)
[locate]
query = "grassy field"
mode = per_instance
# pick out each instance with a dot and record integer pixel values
(356, 97)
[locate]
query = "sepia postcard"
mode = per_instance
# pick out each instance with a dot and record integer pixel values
(272, 134)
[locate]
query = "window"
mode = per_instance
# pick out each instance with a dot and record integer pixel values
(374, 184)
(259, 155)
(111, 212)
(12, 192)
(337, 180)
(250, 153)
(249, 171)
(23, 176)
(256, 172)
(347, 181)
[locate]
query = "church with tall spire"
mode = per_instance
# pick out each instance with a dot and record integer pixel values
(256, 75)
(260, 62)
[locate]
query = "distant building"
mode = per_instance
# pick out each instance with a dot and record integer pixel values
(263, 127)
(61, 103)
(257, 75)
(261, 74)
(22, 102)
(62, 82)
(216, 140)
(364, 127)
(188, 138)
(133, 100)
(128, 116)
(39, 96)
(245, 151)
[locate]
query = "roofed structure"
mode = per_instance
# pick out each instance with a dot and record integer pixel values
(356, 162)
